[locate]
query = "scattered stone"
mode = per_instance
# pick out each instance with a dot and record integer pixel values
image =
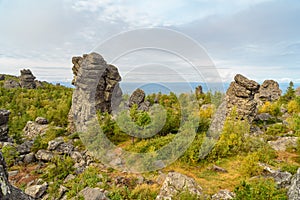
(29, 158)
(223, 195)
(32, 129)
(283, 142)
(282, 179)
(41, 120)
(53, 144)
(93, 194)
(294, 189)
(264, 117)
(76, 156)
(37, 191)
(4, 116)
(13, 173)
(11, 84)
(69, 178)
(7, 191)
(176, 183)
(25, 147)
(218, 169)
(44, 155)
(27, 79)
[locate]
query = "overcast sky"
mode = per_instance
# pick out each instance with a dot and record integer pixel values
(258, 38)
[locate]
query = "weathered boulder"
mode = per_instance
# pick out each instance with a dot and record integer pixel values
(33, 129)
(297, 91)
(10, 84)
(4, 116)
(27, 79)
(25, 147)
(7, 191)
(176, 183)
(41, 120)
(240, 95)
(137, 97)
(2, 77)
(223, 195)
(268, 91)
(59, 146)
(264, 117)
(282, 179)
(294, 189)
(44, 155)
(37, 191)
(283, 142)
(93, 194)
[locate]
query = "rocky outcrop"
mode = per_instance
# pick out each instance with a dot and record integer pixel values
(268, 91)
(294, 189)
(93, 193)
(198, 90)
(108, 92)
(138, 98)
(4, 115)
(97, 83)
(282, 143)
(2, 77)
(282, 179)
(297, 91)
(175, 183)
(11, 84)
(7, 191)
(240, 95)
(33, 129)
(27, 79)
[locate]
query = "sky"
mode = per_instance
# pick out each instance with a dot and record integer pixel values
(257, 38)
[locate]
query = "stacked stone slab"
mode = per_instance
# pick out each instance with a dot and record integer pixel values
(108, 92)
(27, 80)
(240, 96)
(97, 84)
(4, 115)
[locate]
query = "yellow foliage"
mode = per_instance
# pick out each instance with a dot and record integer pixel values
(293, 107)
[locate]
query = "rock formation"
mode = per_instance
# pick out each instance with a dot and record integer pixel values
(176, 183)
(240, 95)
(10, 84)
(198, 90)
(27, 79)
(7, 191)
(138, 98)
(4, 115)
(2, 77)
(268, 91)
(108, 93)
(294, 189)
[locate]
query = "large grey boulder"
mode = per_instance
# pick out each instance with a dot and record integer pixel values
(223, 195)
(11, 84)
(93, 194)
(268, 91)
(175, 183)
(282, 179)
(7, 191)
(294, 190)
(37, 191)
(27, 79)
(4, 116)
(137, 97)
(33, 129)
(283, 142)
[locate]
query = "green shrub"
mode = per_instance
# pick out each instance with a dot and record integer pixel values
(10, 154)
(59, 169)
(259, 189)
(249, 166)
(289, 168)
(89, 178)
(277, 129)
